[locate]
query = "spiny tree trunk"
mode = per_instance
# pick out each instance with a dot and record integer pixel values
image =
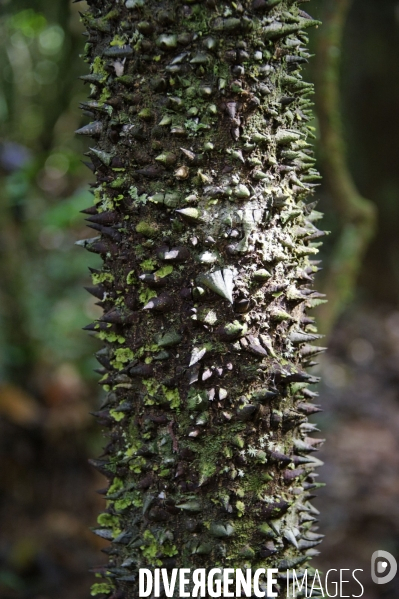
(203, 167)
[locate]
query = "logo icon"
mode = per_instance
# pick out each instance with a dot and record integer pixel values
(383, 567)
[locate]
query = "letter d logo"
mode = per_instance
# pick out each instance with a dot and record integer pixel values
(380, 561)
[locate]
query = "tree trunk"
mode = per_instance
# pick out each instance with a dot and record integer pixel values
(358, 215)
(203, 168)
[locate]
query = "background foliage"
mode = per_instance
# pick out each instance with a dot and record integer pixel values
(47, 384)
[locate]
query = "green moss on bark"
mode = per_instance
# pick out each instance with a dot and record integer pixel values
(204, 169)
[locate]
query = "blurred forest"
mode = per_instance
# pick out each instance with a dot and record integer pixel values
(47, 384)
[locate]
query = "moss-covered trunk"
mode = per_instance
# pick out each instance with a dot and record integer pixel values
(203, 165)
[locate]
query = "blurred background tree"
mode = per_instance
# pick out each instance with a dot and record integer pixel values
(47, 384)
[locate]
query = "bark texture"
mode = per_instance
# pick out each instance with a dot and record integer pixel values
(203, 165)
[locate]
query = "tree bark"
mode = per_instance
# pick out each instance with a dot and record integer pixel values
(203, 170)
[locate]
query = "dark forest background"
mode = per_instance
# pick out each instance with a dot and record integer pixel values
(47, 384)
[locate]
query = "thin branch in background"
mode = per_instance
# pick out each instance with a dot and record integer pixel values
(358, 215)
